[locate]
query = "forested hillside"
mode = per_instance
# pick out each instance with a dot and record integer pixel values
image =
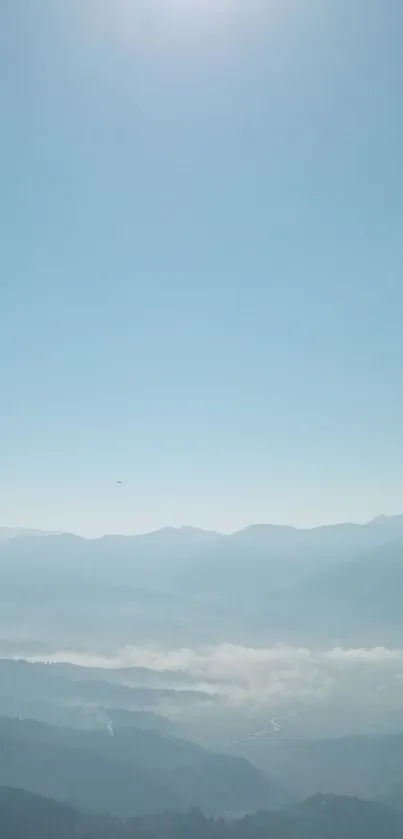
(25, 815)
(131, 772)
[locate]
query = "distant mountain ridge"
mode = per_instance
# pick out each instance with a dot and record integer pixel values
(7, 533)
(168, 583)
(381, 521)
(298, 550)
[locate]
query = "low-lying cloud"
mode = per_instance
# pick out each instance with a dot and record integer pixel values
(265, 675)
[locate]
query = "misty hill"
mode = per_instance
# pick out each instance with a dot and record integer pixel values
(188, 557)
(133, 772)
(89, 697)
(366, 591)
(366, 766)
(19, 532)
(168, 584)
(23, 814)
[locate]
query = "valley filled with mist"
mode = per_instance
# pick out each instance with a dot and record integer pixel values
(236, 673)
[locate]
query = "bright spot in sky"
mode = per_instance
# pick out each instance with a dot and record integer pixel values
(176, 28)
(190, 6)
(169, 16)
(190, 12)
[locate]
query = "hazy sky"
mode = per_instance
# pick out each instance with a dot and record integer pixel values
(201, 210)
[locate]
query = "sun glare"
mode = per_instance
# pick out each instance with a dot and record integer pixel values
(190, 12)
(168, 15)
(181, 26)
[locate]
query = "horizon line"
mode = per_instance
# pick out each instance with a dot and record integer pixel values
(191, 528)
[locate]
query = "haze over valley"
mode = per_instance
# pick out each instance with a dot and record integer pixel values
(253, 646)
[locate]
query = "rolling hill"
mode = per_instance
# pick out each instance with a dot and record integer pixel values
(133, 772)
(23, 814)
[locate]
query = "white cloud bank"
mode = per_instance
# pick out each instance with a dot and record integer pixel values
(275, 675)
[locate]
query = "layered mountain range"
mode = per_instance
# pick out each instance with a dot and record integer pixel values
(341, 581)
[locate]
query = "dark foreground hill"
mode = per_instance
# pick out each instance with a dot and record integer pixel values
(133, 772)
(23, 814)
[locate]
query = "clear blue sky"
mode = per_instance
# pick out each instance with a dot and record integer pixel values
(202, 262)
